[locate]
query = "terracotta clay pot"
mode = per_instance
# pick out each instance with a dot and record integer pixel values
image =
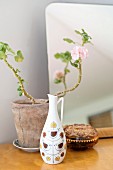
(29, 121)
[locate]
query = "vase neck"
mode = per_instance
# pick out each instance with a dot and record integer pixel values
(52, 104)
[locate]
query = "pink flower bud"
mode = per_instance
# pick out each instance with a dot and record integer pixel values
(59, 75)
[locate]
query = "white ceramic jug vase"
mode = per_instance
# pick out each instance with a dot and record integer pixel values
(53, 141)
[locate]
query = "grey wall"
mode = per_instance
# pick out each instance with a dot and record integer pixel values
(22, 25)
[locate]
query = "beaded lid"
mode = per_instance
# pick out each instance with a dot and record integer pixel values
(80, 132)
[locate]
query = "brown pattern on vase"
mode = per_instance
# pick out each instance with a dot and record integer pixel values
(57, 158)
(43, 154)
(62, 154)
(61, 134)
(45, 145)
(53, 133)
(60, 145)
(44, 134)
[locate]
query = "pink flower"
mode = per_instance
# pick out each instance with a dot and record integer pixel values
(79, 52)
(59, 75)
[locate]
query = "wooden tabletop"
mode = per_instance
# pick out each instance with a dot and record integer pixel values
(98, 158)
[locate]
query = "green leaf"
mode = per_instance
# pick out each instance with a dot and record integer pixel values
(57, 81)
(85, 37)
(2, 55)
(20, 93)
(19, 57)
(78, 32)
(77, 61)
(57, 55)
(74, 64)
(10, 49)
(19, 88)
(67, 71)
(65, 57)
(3, 47)
(68, 40)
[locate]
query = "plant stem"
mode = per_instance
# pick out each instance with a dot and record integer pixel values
(64, 79)
(20, 82)
(76, 85)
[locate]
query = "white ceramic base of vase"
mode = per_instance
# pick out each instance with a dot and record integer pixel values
(53, 163)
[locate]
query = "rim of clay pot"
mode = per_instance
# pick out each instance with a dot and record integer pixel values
(26, 102)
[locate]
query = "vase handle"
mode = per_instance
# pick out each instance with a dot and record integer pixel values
(62, 107)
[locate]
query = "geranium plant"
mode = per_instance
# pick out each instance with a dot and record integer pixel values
(5, 53)
(74, 58)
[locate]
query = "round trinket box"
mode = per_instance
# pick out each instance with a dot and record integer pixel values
(80, 136)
